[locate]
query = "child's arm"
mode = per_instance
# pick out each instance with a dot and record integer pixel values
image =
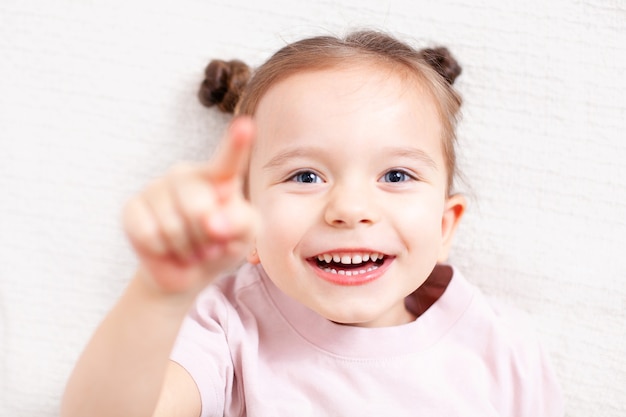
(186, 228)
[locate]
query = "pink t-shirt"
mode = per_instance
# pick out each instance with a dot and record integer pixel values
(254, 351)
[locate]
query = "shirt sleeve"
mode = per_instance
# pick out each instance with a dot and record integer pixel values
(202, 349)
(537, 384)
(534, 387)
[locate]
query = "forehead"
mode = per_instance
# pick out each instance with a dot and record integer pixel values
(348, 101)
(341, 80)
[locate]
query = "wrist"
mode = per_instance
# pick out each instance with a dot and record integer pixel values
(144, 287)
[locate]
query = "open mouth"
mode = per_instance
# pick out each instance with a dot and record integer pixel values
(349, 264)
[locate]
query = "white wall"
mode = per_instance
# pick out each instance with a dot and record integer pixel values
(97, 97)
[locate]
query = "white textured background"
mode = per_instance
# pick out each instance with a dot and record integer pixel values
(97, 97)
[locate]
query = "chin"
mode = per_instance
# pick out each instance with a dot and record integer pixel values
(352, 317)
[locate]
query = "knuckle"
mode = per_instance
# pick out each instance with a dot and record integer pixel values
(195, 209)
(147, 236)
(195, 201)
(173, 227)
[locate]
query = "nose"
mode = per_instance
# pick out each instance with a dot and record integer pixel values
(351, 206)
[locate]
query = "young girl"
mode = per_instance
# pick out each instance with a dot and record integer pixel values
(335, 181)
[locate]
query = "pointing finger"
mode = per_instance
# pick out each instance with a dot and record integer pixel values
(231, 159)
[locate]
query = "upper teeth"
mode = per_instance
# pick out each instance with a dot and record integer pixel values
(348, 259)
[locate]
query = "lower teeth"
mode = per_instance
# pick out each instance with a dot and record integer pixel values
(350, 273)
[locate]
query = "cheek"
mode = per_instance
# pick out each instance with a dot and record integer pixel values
(419, 221)
(281, 222)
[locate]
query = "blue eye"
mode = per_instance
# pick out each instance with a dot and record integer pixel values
(396, 176)
(306, 177)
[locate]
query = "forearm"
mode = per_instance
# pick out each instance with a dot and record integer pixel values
(122, 369)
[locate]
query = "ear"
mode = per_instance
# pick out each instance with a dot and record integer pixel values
(453, 211)
(253, 257)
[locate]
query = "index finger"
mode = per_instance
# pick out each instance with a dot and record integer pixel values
(231, 160)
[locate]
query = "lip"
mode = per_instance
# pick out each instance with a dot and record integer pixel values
(352, 280)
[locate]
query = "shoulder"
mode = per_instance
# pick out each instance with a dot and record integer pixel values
(217, 322)
(504, 330)
(508, 328)
(505, 340)
(221, 300)
(490, 317)
(211, 338)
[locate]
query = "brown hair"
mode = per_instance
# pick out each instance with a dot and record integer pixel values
(230, 85)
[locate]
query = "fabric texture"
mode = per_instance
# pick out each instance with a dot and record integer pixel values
(253, 351)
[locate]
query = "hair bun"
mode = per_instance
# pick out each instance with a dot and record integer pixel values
(442, 61)
(223, 84)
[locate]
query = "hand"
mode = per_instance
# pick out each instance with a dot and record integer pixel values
(195, 223)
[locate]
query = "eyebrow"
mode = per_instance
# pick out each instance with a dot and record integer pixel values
(308, 151)
(411, 153)
(299, 152)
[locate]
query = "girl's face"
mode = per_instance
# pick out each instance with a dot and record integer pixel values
(349, 178)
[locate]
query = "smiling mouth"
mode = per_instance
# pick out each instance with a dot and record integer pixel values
(349, 264)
